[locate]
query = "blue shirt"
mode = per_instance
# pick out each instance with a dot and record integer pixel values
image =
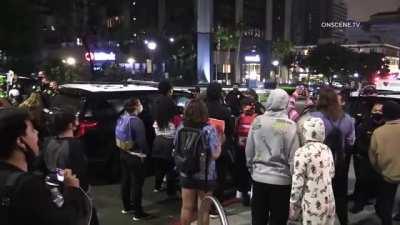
(345, 124)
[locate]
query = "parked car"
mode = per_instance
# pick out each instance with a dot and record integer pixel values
(99, 106)
(361, 102)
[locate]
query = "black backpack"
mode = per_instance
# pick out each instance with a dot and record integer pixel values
(334, 140)
(12, 182)
(191, 151)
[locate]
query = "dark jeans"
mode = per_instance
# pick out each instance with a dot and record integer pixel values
(164, 167)
(243, 177)
(340, 186)
(220, 165)
(132, 180)
(367, 180)
(270, 203)
(385, 200)
(95, 219)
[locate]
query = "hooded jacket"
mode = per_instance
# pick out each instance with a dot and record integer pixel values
(314, 168)
(272, 142)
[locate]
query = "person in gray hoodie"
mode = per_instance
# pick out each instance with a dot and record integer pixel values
(270, 149)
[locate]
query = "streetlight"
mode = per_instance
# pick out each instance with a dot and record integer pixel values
(71, 61)
(131, 60)
(171, 39)
(275, 63)
(356, 75)
(152, 45)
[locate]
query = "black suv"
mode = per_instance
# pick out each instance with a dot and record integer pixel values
(99, 106)
(360, 103)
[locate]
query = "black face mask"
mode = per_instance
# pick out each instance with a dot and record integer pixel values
(377, 118)
(30, 156)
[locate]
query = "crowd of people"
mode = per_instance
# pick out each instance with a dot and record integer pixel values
(289, 165)
(294, 163)
(14, 91)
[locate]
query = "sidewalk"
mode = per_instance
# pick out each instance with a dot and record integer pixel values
(108, 203)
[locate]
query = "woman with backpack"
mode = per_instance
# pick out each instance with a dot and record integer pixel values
(197, 146)
(130, 138)
(340, 137)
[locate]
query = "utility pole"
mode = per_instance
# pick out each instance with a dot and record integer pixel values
(238, 22)
(266, 61)
(288, 19)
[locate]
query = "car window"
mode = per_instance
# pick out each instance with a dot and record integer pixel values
(62, 100)
(100, 109)
(182, 101)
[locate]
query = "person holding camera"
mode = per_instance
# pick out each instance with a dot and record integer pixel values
(64, 150)
(26, 198)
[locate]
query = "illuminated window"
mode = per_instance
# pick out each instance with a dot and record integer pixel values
(113, 21)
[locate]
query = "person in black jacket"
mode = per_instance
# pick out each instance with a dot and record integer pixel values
(32, 201)
(65, 151)
(367, 177)
(217, 110)
(233, 98)
(166, 121)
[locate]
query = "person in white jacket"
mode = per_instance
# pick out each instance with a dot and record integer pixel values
(270, 149)
(312, 200)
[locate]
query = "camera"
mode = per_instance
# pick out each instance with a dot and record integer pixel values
(55, 177)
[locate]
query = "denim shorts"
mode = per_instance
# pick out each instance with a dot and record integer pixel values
(202, 185)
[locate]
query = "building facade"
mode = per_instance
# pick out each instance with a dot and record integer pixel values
(382, 27)
(314, 21)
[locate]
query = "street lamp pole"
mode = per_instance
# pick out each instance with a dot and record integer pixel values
(152, 46)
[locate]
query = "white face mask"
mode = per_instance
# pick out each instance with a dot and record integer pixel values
(140, 109)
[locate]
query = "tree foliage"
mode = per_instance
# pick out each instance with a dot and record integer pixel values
(332, 59)
(63, 73)
(369, 63)
(282, 51)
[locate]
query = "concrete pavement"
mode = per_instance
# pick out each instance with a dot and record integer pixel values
(108, 203)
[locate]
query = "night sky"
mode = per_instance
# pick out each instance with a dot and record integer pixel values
(360, 10)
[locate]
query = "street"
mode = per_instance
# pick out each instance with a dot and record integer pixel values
(163, 212)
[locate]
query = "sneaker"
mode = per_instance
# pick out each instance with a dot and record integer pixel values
(140, 216)
(214, 214)
(396, 217)
(124, 212)
(245, 199)
(161, 189)
(357, 208)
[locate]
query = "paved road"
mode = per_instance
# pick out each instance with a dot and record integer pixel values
(108, 203)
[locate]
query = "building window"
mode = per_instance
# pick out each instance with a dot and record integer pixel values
(112, 22)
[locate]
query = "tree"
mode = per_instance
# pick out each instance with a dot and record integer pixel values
(62, 73)
(332, 59)
(282, 50)
(226, 40)
(369, 64)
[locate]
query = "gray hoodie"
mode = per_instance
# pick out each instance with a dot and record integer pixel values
(272, 142)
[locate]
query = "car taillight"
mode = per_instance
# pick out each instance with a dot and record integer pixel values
(84, 126)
